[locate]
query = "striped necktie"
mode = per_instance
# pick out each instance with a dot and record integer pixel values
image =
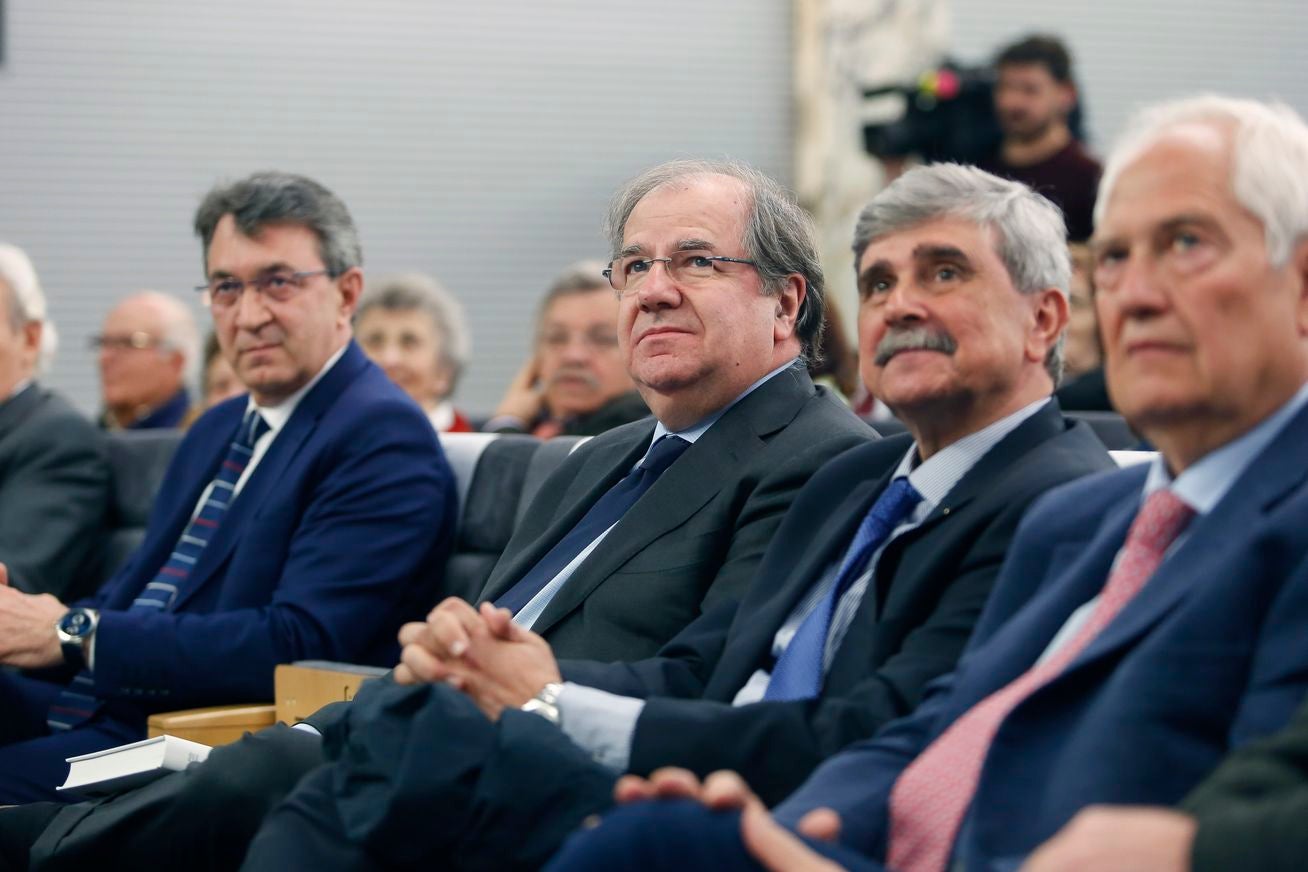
(77, 702)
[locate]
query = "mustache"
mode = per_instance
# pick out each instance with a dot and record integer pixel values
(913, 339)
(575, 372)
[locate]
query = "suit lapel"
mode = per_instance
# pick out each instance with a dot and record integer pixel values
(1273, 475)
(686, 486)
(16, 410)
(607, 463)
(271, 467)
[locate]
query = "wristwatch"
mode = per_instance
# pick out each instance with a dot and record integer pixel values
(75, 631)
(546, 703)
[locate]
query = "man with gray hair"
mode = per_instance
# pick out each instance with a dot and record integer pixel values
(54, 473)
(308, 519)
(1146, 622)
(868, 590)
(149, 349)
(574, 383)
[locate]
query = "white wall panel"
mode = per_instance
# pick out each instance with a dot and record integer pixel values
(477, 141)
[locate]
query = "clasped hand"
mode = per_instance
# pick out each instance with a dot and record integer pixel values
(478, 651)
(27, 635)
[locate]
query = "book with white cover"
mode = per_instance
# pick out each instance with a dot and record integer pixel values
(130, 765)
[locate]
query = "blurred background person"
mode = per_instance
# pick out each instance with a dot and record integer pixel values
(575, 382)
(417, 331)
(1034, 95)
(218, 382)
(147, 349)
(1083, 371)
(54, 472)
(837, 364)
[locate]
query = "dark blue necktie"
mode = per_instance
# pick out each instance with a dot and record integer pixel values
(798, 671)
(606, 512)
(77, 702)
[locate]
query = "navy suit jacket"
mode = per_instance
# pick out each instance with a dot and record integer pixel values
(1210, 654)
(337, 537)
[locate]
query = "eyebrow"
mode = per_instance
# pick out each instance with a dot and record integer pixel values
(1202, 219)
(935, 251)
(278, 266)
(692, 244)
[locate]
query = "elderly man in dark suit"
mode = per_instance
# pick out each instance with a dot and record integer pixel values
(54, 473)
(1146, 622)
(643, 528)
(869, 589)
(308, 520)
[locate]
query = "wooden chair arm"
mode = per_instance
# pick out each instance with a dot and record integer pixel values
(215, 725)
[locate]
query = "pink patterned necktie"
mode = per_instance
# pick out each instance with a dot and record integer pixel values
(933, 793)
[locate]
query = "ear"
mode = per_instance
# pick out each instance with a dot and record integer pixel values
(1299, 266)
(1050, 314)
(788, 302)
(1067, 97)
(31, 350)
(350, 285)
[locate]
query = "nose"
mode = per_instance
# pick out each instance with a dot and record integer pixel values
(903, 305)
(252, 311)
(658, 290)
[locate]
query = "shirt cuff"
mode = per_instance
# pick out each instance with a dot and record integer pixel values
(603, 723)
(308, 728)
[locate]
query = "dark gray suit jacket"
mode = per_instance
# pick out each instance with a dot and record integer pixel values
(695, 539)
(54, 492)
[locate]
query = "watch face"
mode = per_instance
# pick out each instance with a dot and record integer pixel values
(75, 623)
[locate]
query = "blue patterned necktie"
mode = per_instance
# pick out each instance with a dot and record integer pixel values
(77, 702)
(798, 671)
(606, 512)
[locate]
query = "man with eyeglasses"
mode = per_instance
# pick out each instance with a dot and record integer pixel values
(147, 349)
(307, 520)
(575, 382)
(638, 533)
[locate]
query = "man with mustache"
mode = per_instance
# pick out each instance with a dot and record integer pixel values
(639, 532)
(869, 588)
(1146, 622)
(575, 382)
(307, 520)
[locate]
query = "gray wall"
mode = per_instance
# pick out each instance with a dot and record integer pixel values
(478, 141)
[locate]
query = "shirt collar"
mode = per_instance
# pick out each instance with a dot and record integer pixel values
(18, 389)
(278, 415)
(936, 476)
(690, 434)
(1203, 484)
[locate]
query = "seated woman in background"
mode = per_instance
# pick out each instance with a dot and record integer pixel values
(415, 330)
(218, 381)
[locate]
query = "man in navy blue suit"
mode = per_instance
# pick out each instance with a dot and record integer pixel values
(1146, 621)
(307, 520)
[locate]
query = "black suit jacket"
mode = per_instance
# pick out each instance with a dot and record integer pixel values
(54, 492)
(930, 586)
(1251, 810)
(695, 538)
(691, 542)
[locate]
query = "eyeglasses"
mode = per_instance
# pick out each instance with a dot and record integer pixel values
(139, 341)
(222, 293)
(626, 274)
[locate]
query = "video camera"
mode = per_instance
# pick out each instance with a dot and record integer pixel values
(948, 115)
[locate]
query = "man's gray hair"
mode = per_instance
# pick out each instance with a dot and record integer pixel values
(580, 277)
(27, 301)
(275, 197)
(1030, 236)
(779, 234)
(1269, 159)
(407, 292)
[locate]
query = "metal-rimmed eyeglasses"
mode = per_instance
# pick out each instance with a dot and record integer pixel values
(626, 274)
(279, 286)
(135, 341)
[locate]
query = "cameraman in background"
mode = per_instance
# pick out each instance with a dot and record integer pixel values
(1034, 96)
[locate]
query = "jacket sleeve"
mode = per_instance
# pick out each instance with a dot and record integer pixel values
(367, 529)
